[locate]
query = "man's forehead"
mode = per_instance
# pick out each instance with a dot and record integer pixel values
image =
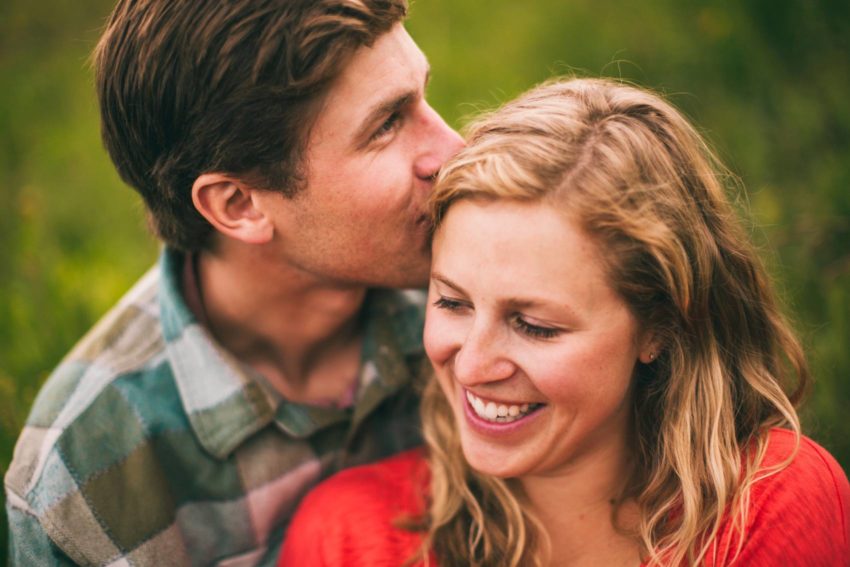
(378, 80)
(393, 63)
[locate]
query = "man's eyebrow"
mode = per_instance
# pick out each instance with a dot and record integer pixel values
(384, 108)
(387, 107)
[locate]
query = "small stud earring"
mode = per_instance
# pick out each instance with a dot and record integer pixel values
(652, 356)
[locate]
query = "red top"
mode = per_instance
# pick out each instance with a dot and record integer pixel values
(349, 520)
(799, 516)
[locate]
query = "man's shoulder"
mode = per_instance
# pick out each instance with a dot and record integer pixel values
(90, 407)
(400, 314)
(88, 445)
(405, 306)
(414, 298)
(124, 341)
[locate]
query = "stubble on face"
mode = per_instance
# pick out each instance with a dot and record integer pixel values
(370, 160)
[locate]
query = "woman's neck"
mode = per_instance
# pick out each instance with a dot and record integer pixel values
(578, 507)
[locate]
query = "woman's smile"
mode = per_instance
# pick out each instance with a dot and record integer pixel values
(529, 341)
(499, 412)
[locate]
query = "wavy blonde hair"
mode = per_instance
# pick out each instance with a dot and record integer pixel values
(643, 183)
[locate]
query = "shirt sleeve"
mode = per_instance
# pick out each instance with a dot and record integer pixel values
(29, 545)
(798, 516)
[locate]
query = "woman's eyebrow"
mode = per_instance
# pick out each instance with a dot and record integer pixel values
(447, 282)
(508, 302)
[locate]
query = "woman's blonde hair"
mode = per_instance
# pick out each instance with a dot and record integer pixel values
(639, 179)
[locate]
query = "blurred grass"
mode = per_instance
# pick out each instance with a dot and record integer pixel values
(766, 82)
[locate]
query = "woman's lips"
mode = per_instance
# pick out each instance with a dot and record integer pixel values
(499, 412)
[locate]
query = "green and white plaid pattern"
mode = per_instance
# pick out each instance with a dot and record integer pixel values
(150, 445)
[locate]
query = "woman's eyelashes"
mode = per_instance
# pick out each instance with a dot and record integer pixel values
(518, 322)
(448, 304)
(535, 331)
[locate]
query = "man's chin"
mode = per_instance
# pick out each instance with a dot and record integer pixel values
(419, 281)
(415, 276)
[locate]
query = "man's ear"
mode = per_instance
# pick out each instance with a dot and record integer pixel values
(229, 205)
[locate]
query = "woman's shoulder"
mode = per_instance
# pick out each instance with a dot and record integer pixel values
(353, 517)
(799, 506)
(390, 486)
(385, 475)
(811, 470)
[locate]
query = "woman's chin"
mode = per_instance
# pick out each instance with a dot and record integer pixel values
(491, 463)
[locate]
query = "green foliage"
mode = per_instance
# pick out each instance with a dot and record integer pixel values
(72, 238)
(767, 82)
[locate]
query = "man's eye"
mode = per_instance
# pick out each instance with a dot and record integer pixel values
(535, 331)
(388, 126)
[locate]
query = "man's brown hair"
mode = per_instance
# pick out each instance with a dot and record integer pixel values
(194, 86)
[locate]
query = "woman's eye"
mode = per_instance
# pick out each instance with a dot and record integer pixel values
(388, 126)
(448, 304)
(535, 331)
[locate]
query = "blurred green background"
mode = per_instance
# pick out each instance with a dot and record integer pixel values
(767, 82)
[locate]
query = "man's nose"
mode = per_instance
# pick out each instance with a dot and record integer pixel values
(442, 143)
(482, 359)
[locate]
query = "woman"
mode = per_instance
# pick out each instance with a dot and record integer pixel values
(610, 365)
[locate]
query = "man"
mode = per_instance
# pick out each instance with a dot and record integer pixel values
(284, 150)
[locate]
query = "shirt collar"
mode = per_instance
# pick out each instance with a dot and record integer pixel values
(226, 401)
(223, 402)
(392, 352)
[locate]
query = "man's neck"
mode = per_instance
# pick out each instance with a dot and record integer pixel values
(301, 334)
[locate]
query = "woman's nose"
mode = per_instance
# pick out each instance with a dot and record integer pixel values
(482, 359)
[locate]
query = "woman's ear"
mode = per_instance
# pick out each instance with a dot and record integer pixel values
(650, 347)
(229, 206)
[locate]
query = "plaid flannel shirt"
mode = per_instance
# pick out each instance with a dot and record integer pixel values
(151, 445)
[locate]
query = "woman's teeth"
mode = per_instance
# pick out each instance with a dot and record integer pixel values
(499, 413)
